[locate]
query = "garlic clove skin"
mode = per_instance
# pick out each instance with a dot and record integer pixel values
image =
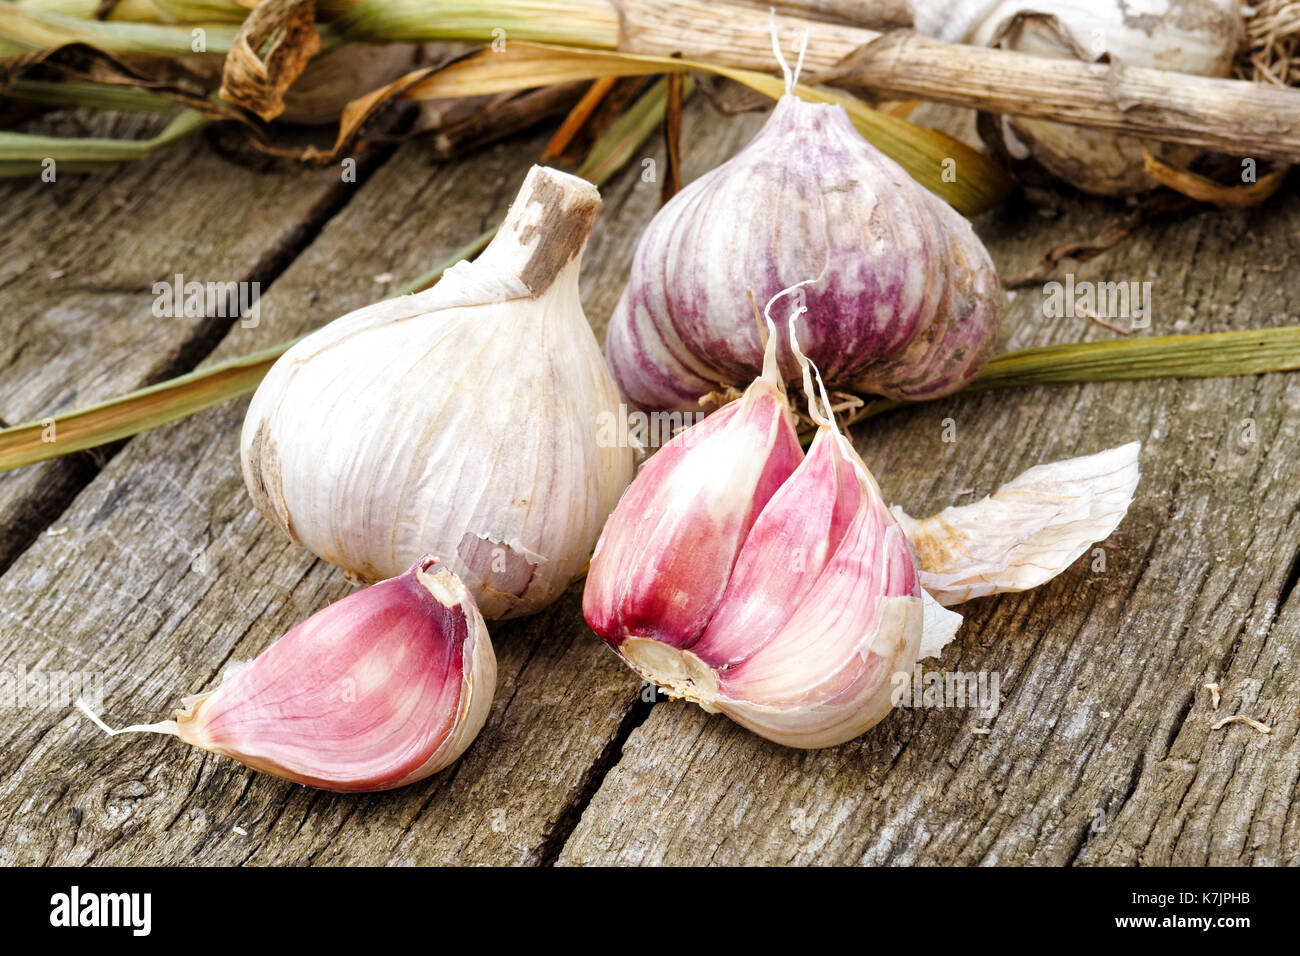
(381, 689)
(662, 562)
(906, 303)
(476, 420)
(789, 544)
(826, 677)
(1028, 531)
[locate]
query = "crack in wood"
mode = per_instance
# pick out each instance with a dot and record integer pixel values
(571, 812)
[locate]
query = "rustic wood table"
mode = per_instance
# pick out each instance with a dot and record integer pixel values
(146, 564)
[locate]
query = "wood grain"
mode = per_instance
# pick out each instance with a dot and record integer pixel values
(78, 259)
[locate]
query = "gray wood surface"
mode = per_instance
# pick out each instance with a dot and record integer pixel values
(154, 571)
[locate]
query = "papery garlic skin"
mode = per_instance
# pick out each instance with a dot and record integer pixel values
(1028, 531)
(907, 303)
(1198, 37)
(470, 421)
(381, 689)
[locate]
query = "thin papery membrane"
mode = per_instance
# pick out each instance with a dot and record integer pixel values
(1028, 531)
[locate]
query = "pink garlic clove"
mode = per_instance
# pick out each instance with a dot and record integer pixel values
(663, 560)
(827, 676)
(818, 611)
(383, 688)
(786, 549)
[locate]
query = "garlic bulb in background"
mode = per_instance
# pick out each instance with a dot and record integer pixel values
(383, 688)
(1186, 36)
(906, 305)
(470, 421)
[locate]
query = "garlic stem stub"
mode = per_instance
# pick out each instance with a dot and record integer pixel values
(381, 689)
(470, 421)
(906, 303)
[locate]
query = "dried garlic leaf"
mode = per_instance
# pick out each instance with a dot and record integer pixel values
(1028, 531)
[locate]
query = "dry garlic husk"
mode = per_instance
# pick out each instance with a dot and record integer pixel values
(777, 588)
(476, 421)
(1027, 531)
(1186, 36)
(906, 305)
(378, 690)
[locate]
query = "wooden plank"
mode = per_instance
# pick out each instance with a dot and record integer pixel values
(165, 573)
(78, 260)
(1102, 751)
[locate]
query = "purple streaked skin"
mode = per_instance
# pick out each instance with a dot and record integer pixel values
(907, 304)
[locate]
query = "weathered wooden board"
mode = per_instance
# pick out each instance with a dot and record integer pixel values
(165, 573)
(78, 260)
(1101, 751)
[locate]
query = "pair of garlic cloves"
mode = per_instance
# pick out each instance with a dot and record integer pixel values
(779, 589)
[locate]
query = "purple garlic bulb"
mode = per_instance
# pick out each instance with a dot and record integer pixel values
(905, 304)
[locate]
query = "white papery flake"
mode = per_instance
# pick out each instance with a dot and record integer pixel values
(1028, 531)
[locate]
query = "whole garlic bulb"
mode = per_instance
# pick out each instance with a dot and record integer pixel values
(470, 421)
(1186, 36)
(906, 305)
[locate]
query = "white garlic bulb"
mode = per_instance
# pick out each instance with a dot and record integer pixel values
(471, 421)
(1186, 36)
